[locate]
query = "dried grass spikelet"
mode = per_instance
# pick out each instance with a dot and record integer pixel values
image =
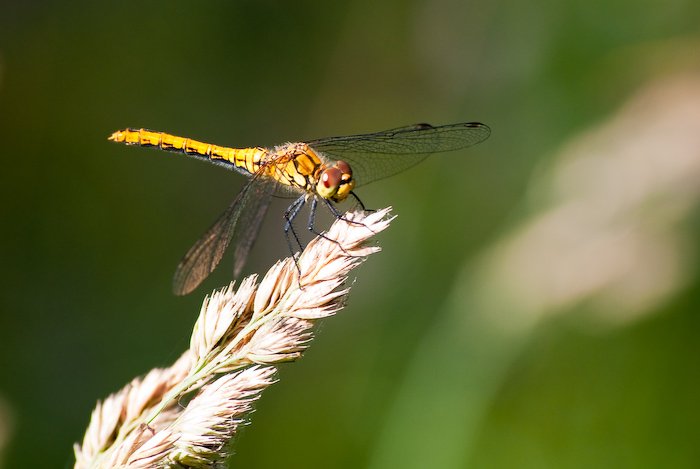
(187, 415)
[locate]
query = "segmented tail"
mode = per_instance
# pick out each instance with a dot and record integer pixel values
(247, 159)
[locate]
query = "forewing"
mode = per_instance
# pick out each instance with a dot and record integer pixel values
(382, 154)
(205, 255)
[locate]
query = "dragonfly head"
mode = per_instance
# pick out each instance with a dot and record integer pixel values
(336, 182)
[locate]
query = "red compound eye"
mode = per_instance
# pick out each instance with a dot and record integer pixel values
(331, 177)
(343, 167)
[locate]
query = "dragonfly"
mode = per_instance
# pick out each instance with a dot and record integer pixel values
(325, 171)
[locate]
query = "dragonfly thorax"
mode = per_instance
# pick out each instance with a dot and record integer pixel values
(336, 182)
(298, 165)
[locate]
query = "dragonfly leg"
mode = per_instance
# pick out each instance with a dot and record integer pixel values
(340, 216)
(312, 229)
(312, 222)
(289, 215)
(364, 209)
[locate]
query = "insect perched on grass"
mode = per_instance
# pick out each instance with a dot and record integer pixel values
(325, 170)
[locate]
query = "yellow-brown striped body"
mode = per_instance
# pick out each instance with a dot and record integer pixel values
(294, 164)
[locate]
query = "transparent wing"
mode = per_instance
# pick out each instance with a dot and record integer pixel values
(382, 154)
(246, 231)
(240, 223)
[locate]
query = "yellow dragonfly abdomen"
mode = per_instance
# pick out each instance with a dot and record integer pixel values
(247, 159)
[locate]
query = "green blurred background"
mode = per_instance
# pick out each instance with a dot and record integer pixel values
(443, 356)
